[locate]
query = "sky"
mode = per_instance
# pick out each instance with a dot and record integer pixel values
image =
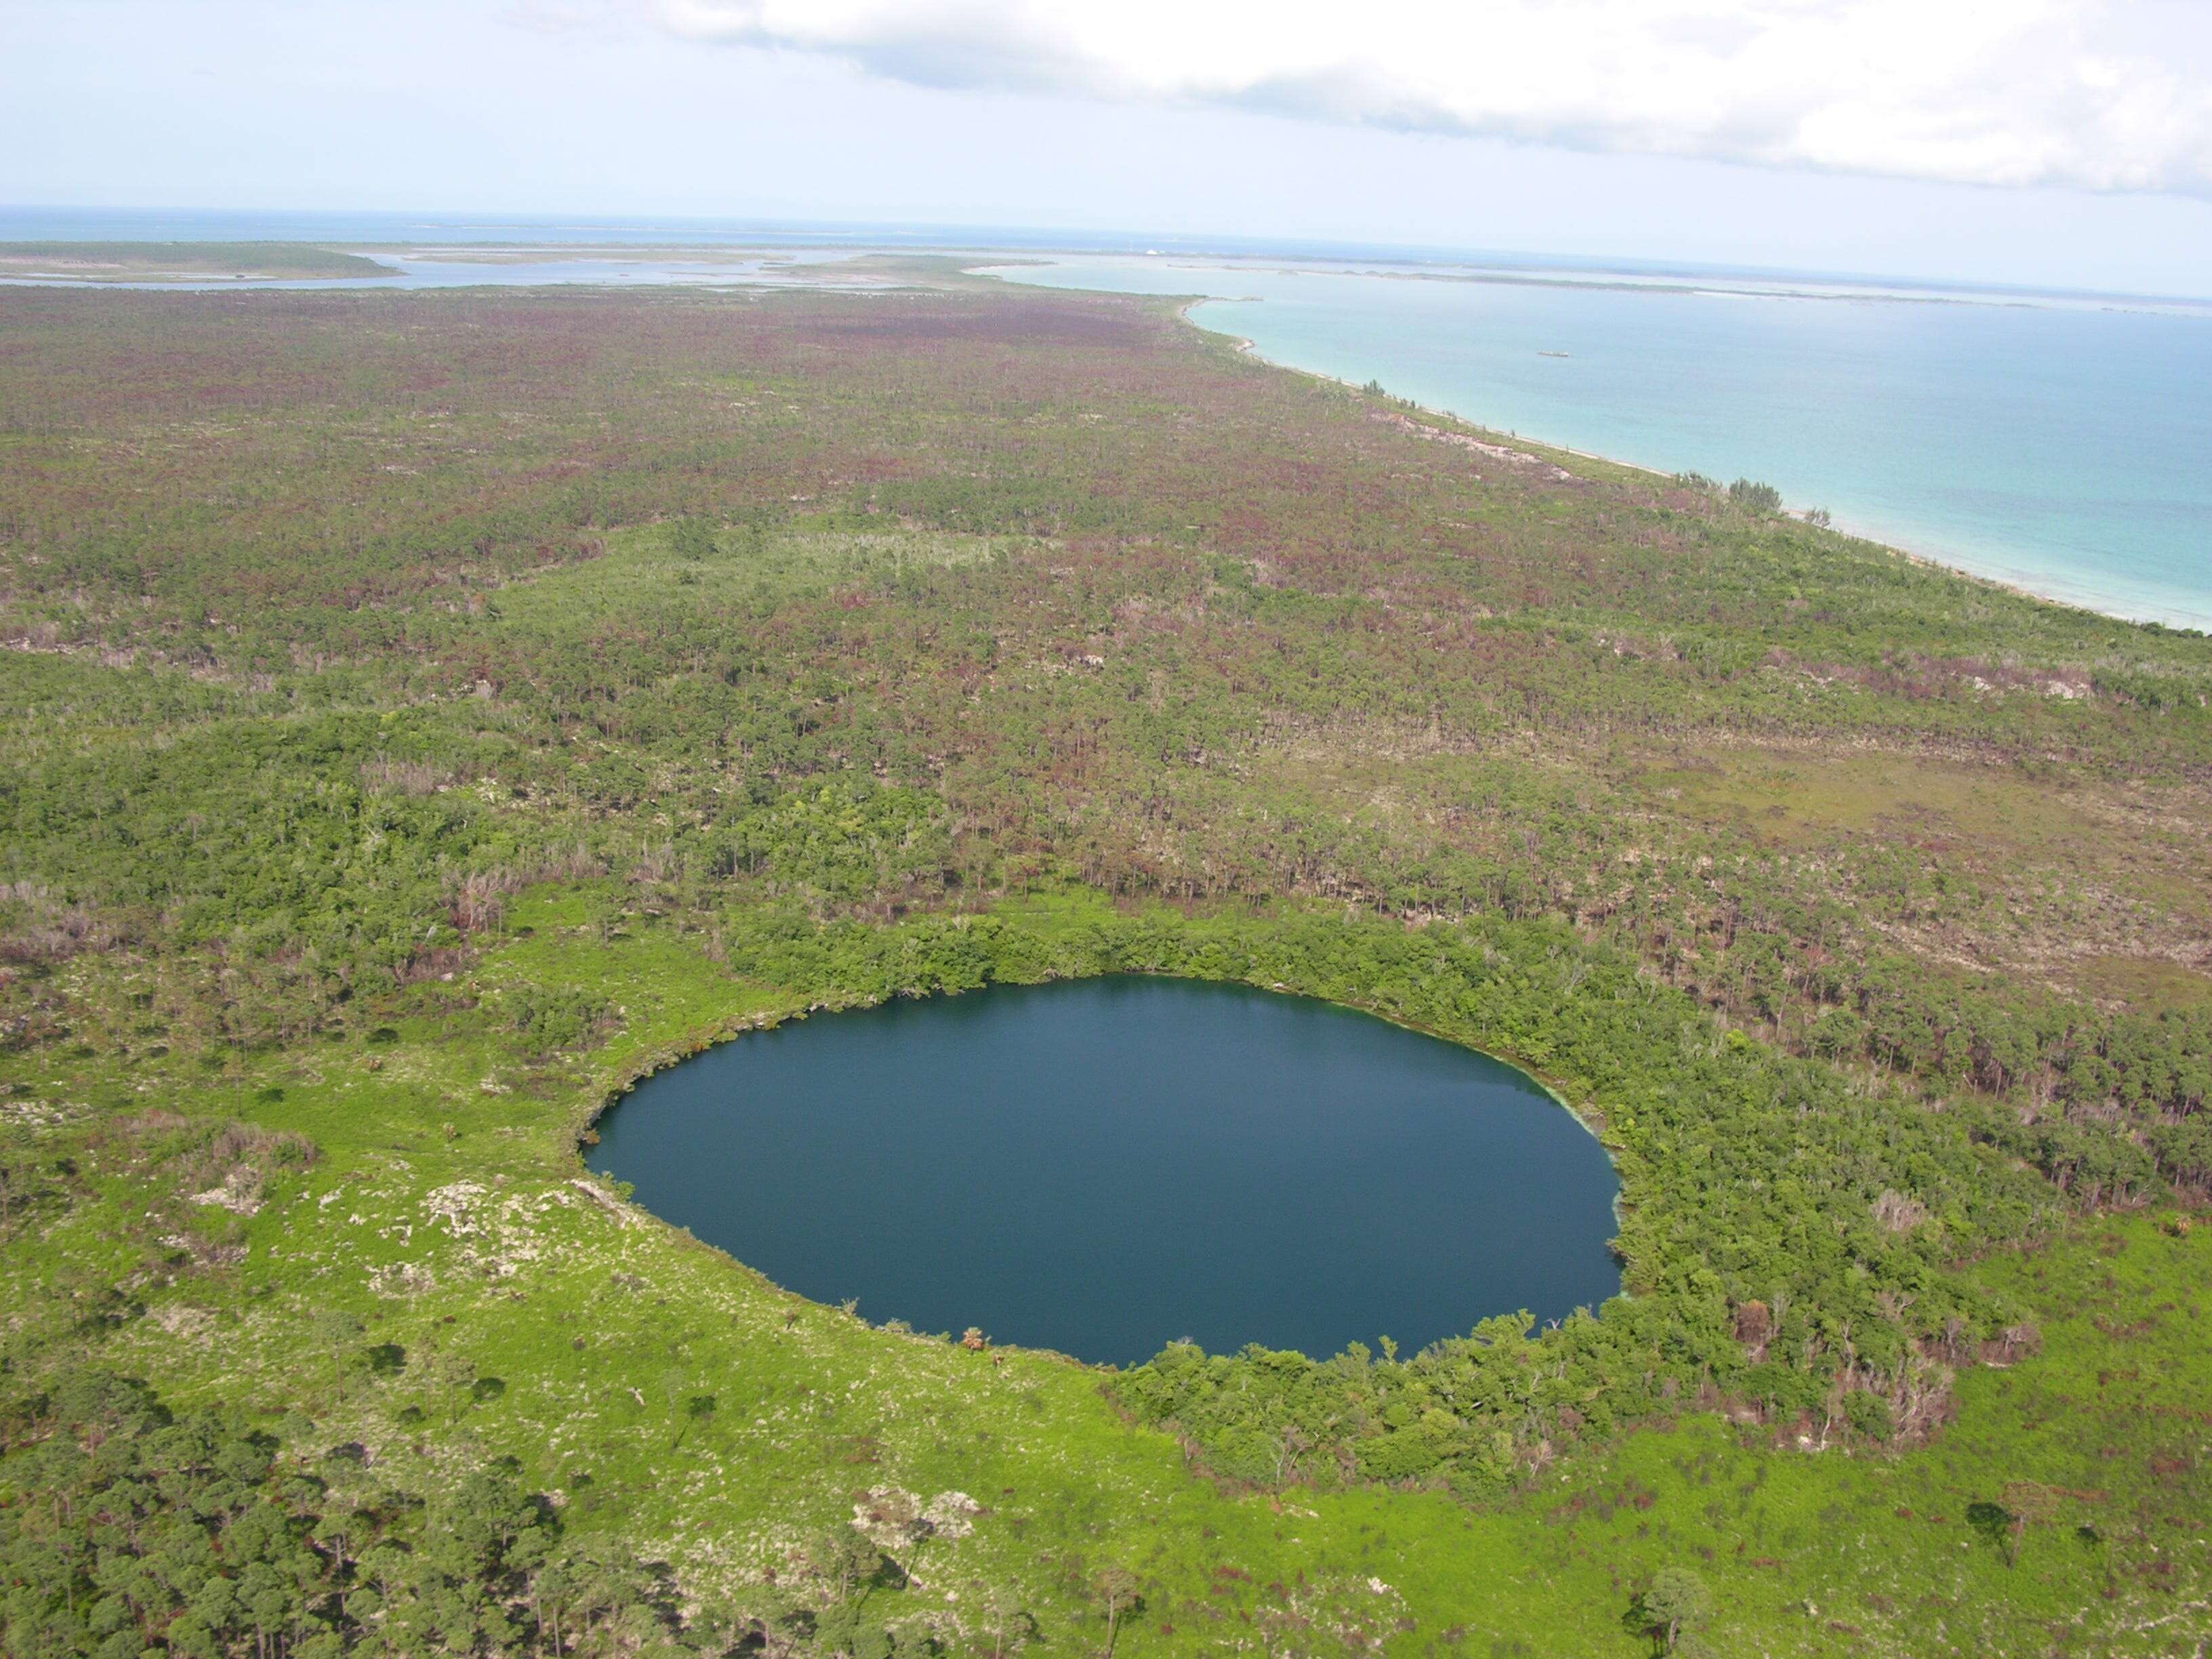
(2043, 143)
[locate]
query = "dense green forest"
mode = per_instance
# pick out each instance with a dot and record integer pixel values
(427, 714)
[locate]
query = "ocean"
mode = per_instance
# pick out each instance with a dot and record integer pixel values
(2060, 443)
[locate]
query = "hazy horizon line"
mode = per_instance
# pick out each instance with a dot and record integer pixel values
(958, 236)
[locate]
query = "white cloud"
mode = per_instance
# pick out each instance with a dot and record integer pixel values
(2083, 93)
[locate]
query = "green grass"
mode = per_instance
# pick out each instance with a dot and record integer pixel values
(598, 1323)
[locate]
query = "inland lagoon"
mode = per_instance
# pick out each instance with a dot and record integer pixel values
(1103, 1166)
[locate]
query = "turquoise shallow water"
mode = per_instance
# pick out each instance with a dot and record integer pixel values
(2064, 446)
(2060, 443)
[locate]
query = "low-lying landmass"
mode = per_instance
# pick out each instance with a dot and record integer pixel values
(426, 715)
(147, 262)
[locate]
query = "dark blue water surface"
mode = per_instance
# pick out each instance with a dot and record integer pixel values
(1101, 1166)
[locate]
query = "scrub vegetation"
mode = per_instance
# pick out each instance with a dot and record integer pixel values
(427, 714)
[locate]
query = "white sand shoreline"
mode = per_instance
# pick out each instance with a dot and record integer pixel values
(1950, 565)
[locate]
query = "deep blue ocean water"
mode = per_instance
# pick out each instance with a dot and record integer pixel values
(2062, 445)
(1101, 1166)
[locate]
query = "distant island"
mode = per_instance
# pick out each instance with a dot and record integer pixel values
(144, 262)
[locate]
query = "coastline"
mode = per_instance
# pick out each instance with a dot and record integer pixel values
(1867, 536)
(2164, 602)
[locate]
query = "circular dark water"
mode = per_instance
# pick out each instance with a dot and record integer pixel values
(1105, 1166)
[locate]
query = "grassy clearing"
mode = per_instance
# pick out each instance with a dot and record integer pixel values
(2145, 983)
